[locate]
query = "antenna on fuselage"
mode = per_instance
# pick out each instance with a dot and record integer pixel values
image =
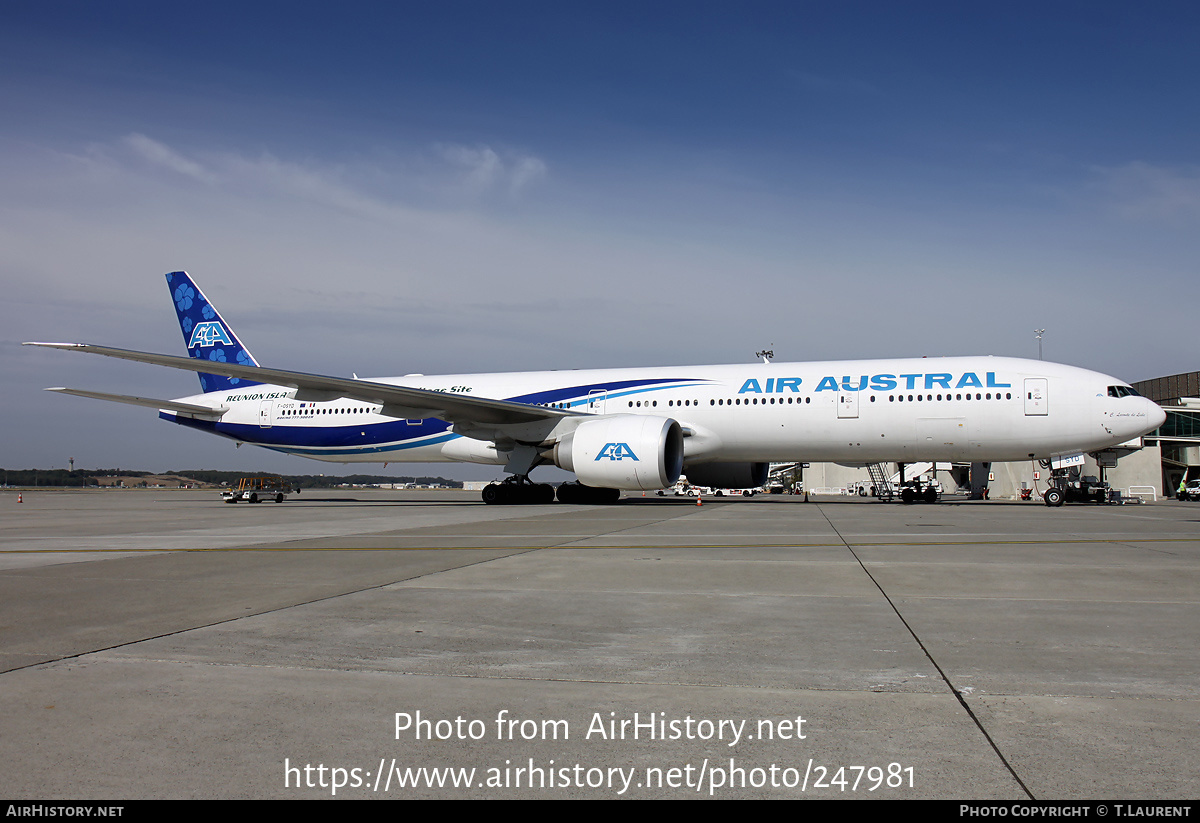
(766, 354)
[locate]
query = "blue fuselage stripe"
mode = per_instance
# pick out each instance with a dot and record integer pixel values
(401, 435)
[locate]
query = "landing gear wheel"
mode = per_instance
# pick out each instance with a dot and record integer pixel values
(518, 492)
(1053, 497)
(587, 495)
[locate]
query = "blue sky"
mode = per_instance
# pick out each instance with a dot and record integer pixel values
(459, 186)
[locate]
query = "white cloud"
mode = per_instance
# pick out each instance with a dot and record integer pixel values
(1144, 191)
(480, 167)
(322, 186)
(482, 170)
(463, 172)
(159, 154)
(527, 170)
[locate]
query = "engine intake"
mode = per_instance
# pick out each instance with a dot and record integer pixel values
(626, 451)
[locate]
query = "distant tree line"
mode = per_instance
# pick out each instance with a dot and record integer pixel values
(62, 477)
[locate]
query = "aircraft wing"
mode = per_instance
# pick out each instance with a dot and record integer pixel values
(398, 401)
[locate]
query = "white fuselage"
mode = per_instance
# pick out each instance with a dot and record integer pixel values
(952, 409)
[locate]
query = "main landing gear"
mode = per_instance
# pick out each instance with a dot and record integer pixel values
(588, 495)
(519, 489)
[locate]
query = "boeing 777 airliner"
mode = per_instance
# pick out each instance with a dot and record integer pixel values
(639, 429)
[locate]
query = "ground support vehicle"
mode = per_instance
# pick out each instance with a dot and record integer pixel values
(1066, 487)
(917, 491)
(258, 488)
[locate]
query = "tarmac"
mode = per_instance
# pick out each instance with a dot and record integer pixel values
(372, 644)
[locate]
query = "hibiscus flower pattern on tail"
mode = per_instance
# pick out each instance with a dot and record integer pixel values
(206, 335)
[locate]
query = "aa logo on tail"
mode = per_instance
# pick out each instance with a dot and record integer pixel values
(209, 334)
(617, 451)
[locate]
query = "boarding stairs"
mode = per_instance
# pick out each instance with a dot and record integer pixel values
(884, 489)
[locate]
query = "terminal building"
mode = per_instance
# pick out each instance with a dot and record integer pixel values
(1151, 467)
(1178, 440)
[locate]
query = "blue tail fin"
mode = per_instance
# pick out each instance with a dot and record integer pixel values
(206, 335)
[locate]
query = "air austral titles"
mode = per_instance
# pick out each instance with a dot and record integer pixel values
(638, 429)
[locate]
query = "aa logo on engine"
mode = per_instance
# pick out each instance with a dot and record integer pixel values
(209, 334)
(617, 451)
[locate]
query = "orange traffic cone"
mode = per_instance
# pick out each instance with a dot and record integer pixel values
(18, 497)
(699, 501)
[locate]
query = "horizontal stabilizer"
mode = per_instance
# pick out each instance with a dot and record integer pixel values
(189, 409)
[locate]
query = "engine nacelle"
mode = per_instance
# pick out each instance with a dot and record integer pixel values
(626, 451)
(728, 475)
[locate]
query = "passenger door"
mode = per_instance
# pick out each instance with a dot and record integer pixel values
(1036, 401)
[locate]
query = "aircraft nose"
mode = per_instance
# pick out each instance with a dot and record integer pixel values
(1155, 414)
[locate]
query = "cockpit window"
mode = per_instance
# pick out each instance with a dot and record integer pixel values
(1122, 391)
